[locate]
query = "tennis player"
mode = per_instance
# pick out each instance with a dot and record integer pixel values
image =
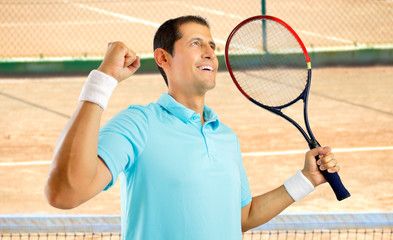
(181, 171)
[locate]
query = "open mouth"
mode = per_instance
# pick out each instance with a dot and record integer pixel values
(206, 68)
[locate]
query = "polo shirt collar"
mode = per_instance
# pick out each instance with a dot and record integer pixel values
(185, 114)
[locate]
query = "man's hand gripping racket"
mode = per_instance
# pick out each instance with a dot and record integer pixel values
(270, 66)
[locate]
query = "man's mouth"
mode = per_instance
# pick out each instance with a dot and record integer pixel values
(206, 68)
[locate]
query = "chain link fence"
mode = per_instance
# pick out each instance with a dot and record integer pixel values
(76, 28)
(337, 23)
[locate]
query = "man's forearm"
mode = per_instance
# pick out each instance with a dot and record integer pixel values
(266, 206)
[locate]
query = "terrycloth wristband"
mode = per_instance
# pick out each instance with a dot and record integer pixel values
(98, 88)
(298, 186)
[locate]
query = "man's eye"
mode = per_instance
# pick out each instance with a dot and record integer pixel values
(195, 43)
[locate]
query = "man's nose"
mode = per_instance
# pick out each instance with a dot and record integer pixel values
(209, 52)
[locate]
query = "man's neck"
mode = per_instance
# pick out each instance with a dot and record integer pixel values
(195, 103)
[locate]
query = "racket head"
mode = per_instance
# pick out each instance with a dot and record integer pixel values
(268, 62)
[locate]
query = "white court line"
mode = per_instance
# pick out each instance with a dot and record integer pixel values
(326, 37)
(32, 24)
(219, 41)
(5, 164)
(336, 150)
(208, 10)
(364, 149)
(118, 15)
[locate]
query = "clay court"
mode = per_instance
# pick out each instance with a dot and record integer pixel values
(350, 110)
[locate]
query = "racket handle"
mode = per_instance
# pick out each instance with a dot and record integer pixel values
(335, 183)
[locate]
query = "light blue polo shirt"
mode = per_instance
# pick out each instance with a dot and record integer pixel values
(179, 179)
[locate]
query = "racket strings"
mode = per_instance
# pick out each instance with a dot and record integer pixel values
(268, 62)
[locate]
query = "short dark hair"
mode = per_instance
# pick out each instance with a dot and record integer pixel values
(168, 33)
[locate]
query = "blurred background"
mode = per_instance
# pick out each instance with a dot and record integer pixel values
(81, 29)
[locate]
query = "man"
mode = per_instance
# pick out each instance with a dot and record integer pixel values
(182, 175)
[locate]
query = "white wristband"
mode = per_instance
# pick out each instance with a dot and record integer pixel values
(98, 88)
(298, 186)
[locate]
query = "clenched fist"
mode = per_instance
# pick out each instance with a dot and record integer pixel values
(119, 62)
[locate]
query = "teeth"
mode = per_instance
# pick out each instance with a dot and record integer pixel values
(206, 68)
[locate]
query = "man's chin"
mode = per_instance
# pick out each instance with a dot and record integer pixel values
(210, 86)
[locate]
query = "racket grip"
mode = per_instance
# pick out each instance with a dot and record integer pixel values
(335, 183)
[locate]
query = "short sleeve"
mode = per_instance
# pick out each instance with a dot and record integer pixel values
(122, 139)
(245, 186)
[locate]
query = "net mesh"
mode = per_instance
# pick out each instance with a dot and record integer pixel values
(291, 226)
(268, 62)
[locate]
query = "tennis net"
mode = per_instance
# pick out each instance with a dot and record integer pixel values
(289, 226)
(60, 227)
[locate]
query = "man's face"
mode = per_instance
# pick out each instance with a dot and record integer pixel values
(194, 64)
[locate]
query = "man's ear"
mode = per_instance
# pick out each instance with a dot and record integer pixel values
(162, 57)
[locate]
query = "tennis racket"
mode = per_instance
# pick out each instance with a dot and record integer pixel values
(270, 66)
